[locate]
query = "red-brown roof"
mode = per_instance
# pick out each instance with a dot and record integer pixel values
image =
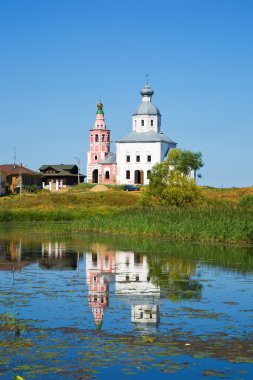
(16, 169)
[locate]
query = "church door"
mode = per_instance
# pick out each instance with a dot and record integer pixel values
(95, 176)
(138, 177)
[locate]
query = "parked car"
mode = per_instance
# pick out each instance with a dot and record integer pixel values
(131, 188)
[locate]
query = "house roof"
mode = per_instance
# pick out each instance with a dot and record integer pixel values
(109, 159)
(62, 171)
(57, 167)
(14, 169)
(150, 136)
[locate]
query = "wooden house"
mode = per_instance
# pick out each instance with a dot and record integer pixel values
(2, 183)
(19, 175)
(56, 177)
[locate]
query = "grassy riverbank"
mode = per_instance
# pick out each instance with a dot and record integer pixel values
(118, 212)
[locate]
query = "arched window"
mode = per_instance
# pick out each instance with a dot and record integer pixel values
(96, 138)
(128, 174)
(107, 174)
(103, 138)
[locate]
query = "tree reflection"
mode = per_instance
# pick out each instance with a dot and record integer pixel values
(173, 276)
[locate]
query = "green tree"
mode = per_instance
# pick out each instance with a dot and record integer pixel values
(184, 160)
(170, 181)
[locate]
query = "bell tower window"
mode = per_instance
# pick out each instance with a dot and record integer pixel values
(96, 138)
(142, 123)
(152, 122)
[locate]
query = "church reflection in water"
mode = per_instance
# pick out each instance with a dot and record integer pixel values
(139, 280)
(130, 272)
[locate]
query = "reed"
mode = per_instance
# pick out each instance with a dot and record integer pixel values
(120, 213)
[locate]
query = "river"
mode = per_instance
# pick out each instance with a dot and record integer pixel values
(90, 307)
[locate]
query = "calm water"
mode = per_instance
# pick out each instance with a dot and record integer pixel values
(107, 308)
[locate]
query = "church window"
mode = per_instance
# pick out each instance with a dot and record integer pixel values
(94, 259)
(103, 138)
(152, 123)
(137, 258)
(150, 316)
(142, 123)
(148, 174)
(127, 278)
(149, 158)
(141, 315)
(127, 158)
(137, 278)
(107, 174)
(96, 138)
(95, 157)
(106, 261)
(138, 158)
(128, 174)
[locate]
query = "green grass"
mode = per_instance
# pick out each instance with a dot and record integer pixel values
(246, 201)
(121, 213)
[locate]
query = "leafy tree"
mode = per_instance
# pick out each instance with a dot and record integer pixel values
(170, 182)
(184, 160)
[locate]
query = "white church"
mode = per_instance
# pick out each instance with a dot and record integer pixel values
(136, 153)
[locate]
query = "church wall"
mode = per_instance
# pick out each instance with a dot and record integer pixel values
(112, 170)
(143, 150)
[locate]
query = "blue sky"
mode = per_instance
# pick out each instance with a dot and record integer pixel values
(57, 57)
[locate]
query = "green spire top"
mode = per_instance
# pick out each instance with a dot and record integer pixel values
(99, 326)
(100, 108)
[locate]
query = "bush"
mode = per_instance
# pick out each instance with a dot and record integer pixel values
(178, 190)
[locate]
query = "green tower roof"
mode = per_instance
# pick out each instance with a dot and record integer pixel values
(100, 108)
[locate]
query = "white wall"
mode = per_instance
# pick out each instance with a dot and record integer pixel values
(132, 149)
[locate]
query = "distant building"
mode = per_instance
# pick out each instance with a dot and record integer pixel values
(136, 153)
(19, 175)
(101, 163)
(56, 177)
(2, 183)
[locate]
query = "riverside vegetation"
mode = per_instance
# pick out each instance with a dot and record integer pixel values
(222, 215)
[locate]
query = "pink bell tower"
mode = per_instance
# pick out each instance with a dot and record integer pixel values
(99, 147)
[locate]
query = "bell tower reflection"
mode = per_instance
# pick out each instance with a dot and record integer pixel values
(98, 297)
(100, 269)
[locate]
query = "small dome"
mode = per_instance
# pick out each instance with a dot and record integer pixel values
(100, 108)
(146, 108)
(147, 90)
